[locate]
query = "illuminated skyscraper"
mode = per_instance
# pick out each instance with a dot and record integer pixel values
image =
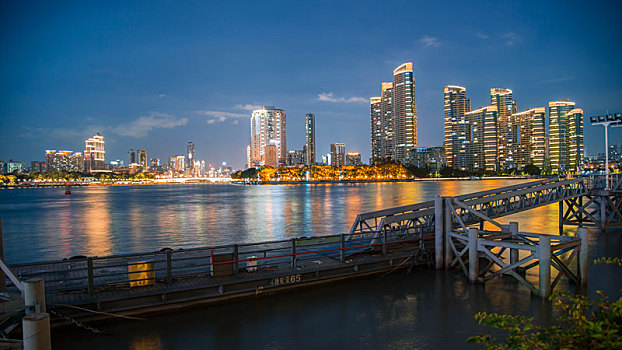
(338, 154)
(479, 140)
(558, 135)
(95, 155)
(394, 117)
(133, 156)
(531, 142)
(190, 155)
(268, 126)
(310, 139)
(142, 159)
(64, 161)
(376, 127)
(404, 112)
(574, 118)
(456, 105)
(506, 106)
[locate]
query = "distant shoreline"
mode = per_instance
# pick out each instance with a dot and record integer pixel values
(243, 183)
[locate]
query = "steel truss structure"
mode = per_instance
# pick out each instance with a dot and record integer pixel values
(600, 206)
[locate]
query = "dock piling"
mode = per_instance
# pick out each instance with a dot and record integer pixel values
(513, 251)
(439, 239)
(34, 296)
(544, 254)
(473, 256)
(583, 255)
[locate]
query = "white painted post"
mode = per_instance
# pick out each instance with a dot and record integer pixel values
(583, 255)
(439, 239)
(544, 254)
(36, 332)
(473, 258)
(514, 251)
(447, 228)
(34, 296)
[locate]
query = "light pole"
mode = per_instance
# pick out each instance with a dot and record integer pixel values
(615, 120)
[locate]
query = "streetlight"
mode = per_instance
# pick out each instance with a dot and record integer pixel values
(615, 120)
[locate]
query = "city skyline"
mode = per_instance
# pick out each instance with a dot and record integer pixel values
(144, 78)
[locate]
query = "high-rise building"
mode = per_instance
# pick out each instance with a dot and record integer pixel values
(309, 139)
(296, 157)
(376, 127)
(394, 117)
(479, 140)
(95, 155)
(337, 154)
(575, 146)
(190, 155)
(456, 105)
(506, 106)
(142, 159)
(67, 161)
(558, 135)
(432, 158)
(270, 155)
(36, 166)
(353, 159)
(531, 142)
(404, 112)
(133, 156)
(268, 127)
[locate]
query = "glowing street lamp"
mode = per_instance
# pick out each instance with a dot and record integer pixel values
(615, 120)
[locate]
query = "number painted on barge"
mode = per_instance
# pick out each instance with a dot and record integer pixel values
(285, 280)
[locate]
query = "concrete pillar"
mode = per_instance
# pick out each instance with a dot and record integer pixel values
(473, 258)
(34, 296)
(583, 255)
(603, 213)
(544, 254)
(514, 251)
(36, 332)
(439, 237)
(447, 230)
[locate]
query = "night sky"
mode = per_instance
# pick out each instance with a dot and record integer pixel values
(156, 74)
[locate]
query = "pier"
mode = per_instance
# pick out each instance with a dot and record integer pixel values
(447, 232)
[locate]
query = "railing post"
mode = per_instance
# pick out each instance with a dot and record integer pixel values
(342, 252)
(583, 255)
(34, 296)
(544, 254)
(169, 267)
(36, 332)
(235, 259)
(447, 228)
(561, 217)
(473, 255)
(439, 238)
(2, 275)
(89, 268)
(384, 242)
(293, 253)
(514, 251)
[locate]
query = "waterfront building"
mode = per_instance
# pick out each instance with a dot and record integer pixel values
(67, 161)
(478, 139)
(404, 111)
(531, 142)
(190, 155)
(270, 155)
(268, 127)
(337, 154)
(177, 164)
(432, 158)
(133, 156)
(456, 104)
(393, 117)
(353, 159)
(2, 167)
(296, 157)
(142, 159)
(558, 135)
(95, 155)
(37, 166)
(154, 162)
(507, 136)
(309, 150)
(576, 153)
(117, 163)
(376, 127)
(14, 166)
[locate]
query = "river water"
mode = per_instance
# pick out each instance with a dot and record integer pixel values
(426, 309)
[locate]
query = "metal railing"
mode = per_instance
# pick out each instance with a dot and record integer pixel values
(162, 268)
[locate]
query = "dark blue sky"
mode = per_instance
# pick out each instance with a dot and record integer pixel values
(157, 74)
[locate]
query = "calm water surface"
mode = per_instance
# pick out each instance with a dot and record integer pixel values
(423, 310)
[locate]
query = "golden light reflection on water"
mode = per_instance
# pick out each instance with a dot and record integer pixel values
(97, 221)
(146, 342)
